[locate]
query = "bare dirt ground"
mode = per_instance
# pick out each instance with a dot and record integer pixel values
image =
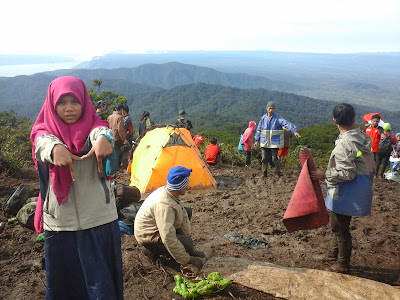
(244, 205)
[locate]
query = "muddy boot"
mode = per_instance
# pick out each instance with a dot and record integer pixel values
(339, 268)
(331, 256)
(265, 171)
(333, 251)
(344, 254)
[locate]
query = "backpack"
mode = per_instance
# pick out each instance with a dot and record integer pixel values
(126, 195)
(17, 199)
(26, 214)
(240, 145)
(385, 145)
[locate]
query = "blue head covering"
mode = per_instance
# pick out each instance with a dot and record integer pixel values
(178, 178)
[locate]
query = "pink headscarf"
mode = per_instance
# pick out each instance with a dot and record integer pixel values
(73, 135)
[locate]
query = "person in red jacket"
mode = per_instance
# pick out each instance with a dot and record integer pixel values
(374, 131)
(198, 140)
(213, 152)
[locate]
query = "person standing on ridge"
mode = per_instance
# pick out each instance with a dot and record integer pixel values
(116, 122)
(247, 141)
(270, 136)
(183, 121)
(374, 131)
(128, 125)
(349, 181)
(145, 123)
(76, 205)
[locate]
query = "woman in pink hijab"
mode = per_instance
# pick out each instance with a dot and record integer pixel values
(76, 205)
(247, 141)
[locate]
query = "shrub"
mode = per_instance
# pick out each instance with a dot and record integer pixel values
(15, 145)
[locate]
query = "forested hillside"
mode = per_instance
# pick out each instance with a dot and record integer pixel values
(25, 94)
(364, 78)
(207, 105)
(210, 106)
(174, 74)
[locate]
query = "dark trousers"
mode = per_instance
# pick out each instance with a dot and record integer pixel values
(248, 158)
(375, 156)
(122, 151)
(118, 146)
(342, 240)
(381, 159)
(158, 249)
(84, 264)
(270, 156)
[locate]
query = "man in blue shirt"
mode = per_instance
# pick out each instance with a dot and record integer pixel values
(270, 136)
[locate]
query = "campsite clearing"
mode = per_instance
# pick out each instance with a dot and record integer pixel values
(243, 205)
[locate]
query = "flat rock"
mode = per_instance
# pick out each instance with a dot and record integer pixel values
(298, 283)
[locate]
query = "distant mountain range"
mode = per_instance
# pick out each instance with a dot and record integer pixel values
(207, 105)
(173, 74)
(335, 77)
(24, 94)
(229, 87)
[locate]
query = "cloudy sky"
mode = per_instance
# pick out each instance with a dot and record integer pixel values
(87, 28)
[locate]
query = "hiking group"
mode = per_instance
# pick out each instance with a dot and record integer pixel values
(385, 145)
(76, 152)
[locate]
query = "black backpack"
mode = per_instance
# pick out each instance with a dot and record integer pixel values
(17, 199)
(385, 145)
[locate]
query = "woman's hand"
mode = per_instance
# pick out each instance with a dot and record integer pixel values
(63, 158)
(101, 148)
(318, 175)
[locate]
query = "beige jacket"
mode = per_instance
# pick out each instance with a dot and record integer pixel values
(158, 219)
(91, 200)
(116, 122)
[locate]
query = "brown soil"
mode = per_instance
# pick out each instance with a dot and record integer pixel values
(245, 205)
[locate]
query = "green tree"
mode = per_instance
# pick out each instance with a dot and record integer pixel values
(97, 82)
(110, 98)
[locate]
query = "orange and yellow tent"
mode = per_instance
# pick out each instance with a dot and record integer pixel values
(159, 150)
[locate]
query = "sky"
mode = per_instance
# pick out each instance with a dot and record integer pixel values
(85, 28)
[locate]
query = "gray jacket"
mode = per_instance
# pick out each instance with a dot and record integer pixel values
(349, 175)
(91, 200)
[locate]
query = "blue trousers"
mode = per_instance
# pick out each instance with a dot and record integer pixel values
(85, 264)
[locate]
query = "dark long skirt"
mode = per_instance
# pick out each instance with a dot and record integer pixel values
(85, 264)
